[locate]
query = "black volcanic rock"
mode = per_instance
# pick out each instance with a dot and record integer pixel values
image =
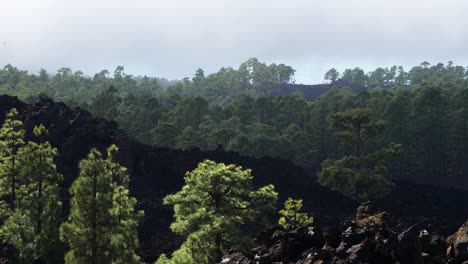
(314, 91)
(458, 244)
(367, 245)
(409, 249)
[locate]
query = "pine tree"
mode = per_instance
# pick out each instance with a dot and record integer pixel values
(124, 239)
(12, 139)
(291, 215)
(31, 226)
(102, 224)
(210, 208)
(360, 175)
(87, 231)
(16, 229)
(40, 197)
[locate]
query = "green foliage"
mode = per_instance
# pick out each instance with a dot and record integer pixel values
(396, 75)
(17, 230)
(165, 135)
(354, 77)
(354, 126)
(102, 224)
(12, 139)
(183, 255)
(359, 176)
(31, 226)
(188, 138)
(291, 216)
(103, 221)
(332, 75)
(41, 182)
(209, 210)
(356, 179)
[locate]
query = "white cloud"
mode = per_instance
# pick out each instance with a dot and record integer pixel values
(173, 38)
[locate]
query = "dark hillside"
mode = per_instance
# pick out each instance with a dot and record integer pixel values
(310, 92)
(156, 172)
(313, 91)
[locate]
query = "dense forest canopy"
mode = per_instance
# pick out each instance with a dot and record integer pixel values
(424, 109)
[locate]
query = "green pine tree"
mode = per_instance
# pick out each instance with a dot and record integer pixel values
(210, 208)
(17, 229)
(12, 139)
(102, 224)
(40, 196)
(291, 215)
(124, 239)
(360, 175)
(30, 181)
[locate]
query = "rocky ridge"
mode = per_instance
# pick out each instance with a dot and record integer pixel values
(374, 236)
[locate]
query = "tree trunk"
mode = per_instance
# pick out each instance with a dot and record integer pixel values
(94, 223)
(219, 251)
(40, 203)
(13, 177)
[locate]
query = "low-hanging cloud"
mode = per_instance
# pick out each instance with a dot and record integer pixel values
(173, 38)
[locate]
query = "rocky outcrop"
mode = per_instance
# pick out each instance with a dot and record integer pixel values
(409, 247)
(371, 238)
(368, 215)
(458, 244)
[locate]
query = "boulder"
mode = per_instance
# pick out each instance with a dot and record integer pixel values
(236, 256)
(332, 236)
(437, 246)
(265, 237)
(341, 249)
(274, 254)
(368, 215)
(458, 244)
(307, 237)
(385, 249)
(354, 235)
(359, 253)
(310, 256)
(409, 248)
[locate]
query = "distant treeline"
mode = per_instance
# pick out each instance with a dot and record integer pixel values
(425, 110)
(395, 75)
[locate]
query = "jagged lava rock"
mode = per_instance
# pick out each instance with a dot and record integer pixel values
(370, 239)
(458, 244)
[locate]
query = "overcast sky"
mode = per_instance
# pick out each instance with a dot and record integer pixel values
(173, 38)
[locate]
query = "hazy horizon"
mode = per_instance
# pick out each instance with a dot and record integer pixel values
(173, 39)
